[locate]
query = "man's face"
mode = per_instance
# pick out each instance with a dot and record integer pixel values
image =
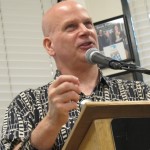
(72, 34)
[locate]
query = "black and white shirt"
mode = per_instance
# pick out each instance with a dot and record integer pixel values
(30, 107)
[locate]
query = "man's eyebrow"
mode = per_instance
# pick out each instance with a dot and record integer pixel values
(88, 19)
(69, 21)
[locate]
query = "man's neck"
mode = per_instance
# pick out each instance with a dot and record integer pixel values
(88, 78)
(89, 81)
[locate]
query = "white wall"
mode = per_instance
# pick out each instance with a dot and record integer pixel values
(103, 9)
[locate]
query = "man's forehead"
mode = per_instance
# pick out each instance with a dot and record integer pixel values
(69, 7)
(70, 11)
(62, 10)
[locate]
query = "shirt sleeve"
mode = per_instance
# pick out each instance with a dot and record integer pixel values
(19, 121)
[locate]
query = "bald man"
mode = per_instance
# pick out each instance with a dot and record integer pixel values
(42, 118)
(68, 33)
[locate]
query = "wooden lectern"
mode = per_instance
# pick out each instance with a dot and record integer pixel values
(92, 130)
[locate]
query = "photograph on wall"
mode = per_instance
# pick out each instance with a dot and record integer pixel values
(113, 38)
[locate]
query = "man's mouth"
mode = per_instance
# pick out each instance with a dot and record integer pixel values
(86, 45)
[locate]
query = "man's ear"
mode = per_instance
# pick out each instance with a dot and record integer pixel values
(48, 46)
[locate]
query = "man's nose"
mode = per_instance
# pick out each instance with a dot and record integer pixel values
(84, 30)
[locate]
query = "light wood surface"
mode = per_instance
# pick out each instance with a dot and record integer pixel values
(103, 110)
(99, 136)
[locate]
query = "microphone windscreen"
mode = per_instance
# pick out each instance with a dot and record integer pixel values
(89, 54)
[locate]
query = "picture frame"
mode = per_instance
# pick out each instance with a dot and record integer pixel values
(114, 38)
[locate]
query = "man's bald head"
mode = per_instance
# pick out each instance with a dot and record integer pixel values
(55, 12)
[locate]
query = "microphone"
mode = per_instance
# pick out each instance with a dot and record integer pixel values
(94, 56)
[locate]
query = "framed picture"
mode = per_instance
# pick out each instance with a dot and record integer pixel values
(114, 39)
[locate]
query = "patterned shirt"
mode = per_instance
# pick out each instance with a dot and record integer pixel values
(31, 106)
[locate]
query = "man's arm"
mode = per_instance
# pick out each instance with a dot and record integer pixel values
(17, 146)
(63, 95)
(43, 136)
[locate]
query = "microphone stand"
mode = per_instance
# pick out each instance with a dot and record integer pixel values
(114, 64)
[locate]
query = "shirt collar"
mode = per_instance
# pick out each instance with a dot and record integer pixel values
(102, 79)
(57, 74)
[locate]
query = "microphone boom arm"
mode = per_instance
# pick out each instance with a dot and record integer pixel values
(114, 64)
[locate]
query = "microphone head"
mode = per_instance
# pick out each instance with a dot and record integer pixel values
(94, 56)
(89, 53)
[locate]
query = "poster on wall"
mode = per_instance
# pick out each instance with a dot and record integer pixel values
(113, 37)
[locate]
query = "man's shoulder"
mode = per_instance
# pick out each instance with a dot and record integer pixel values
(31, 96)
(35, 90)
(111, 80)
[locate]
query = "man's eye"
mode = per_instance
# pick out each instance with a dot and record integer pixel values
(89, 25)
(70, 27)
